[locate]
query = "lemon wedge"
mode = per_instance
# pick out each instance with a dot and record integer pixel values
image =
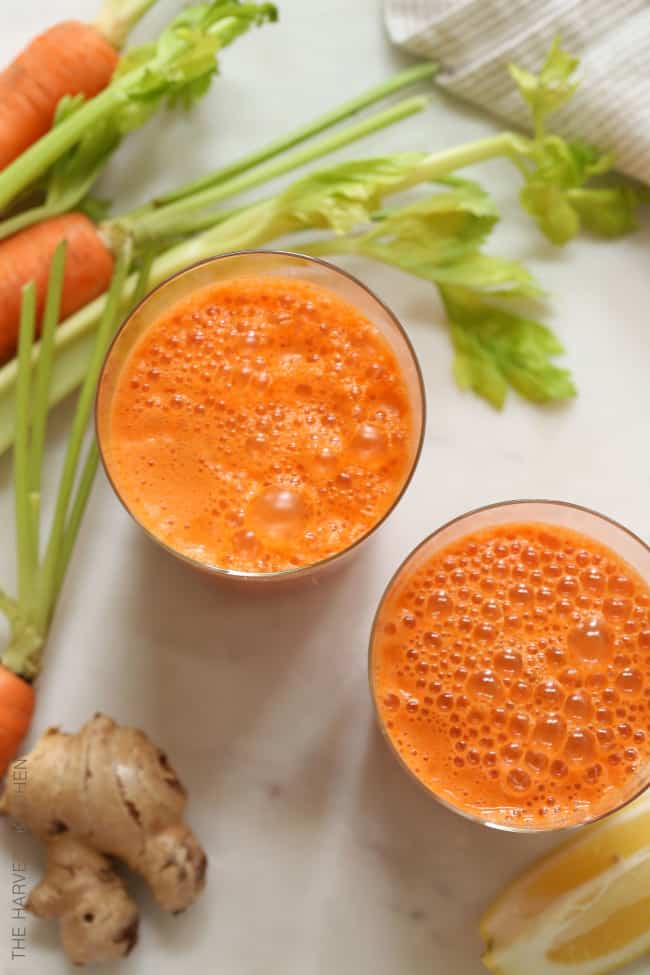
(582, 910)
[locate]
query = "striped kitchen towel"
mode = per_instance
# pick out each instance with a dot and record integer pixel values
(475, 40)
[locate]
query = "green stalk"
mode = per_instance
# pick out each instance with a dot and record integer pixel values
(8, 606)
(404, 79)
(25, 549)
(50, 568)
(117, 18)
(189, 213)
(28, 217)
(42, 385)
(245, 228)
(401, 80)
(89, 469)
(19, 174)
(328, 246)
(84, 487)
(36, 160)
(439, 165)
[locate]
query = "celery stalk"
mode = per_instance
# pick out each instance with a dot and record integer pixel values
(190, 213)
(404, 79)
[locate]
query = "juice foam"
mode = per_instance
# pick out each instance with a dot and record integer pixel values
(261, 424)
(512, 674)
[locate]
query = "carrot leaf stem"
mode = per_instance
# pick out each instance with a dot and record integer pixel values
(117, 18)
(41, 393)
(89, 469)
(8, 606)
(25, 541)
(78, 507)
(50, 566)
(26, 218)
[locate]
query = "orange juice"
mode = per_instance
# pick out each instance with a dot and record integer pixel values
(511, 672)
(260, 424)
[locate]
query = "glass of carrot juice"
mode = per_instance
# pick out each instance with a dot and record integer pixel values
(260, 414)
(510, 665)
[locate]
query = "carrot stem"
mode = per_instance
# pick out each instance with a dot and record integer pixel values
(27, 218)
(25, 548)
(43, 382)
(84, 487)
(8, 606)
(89, 469)
(404, 79)
(160, 71)
(51, 563)
(117, 18)
(190, 214)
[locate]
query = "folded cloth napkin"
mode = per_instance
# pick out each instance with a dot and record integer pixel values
(475, 40)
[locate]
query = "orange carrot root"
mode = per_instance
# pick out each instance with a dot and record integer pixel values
(27, 256)
(16, 710)
(68, 59)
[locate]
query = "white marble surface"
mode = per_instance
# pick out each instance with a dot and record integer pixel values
(324, 857)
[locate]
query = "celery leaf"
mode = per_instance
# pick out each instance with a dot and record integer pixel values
(346, 194)
(547, 91)
(557, 171)
(495, 348)
(438, 239)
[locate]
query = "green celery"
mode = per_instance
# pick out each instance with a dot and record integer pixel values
(404, 79)
(190, 214)
(178, 67)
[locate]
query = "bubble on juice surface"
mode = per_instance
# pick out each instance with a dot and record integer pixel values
(508, 662)
(278, 514)
(485, 684)
(440, 603)
(629, 681)
(616, 609)
(549, 731)
(520, 724)
(369, 444)
(549, 695)
(518, 780)
(593, 581)
(580, 745)
(578, 705)
(592, 641)
(621, 585)
(246, 541)
(537, 761)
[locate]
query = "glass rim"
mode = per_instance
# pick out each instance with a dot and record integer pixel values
(472, 817)
(301, 570)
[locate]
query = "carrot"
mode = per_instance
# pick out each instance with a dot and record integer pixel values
(16, 709)
(27, 256)
(68, 59)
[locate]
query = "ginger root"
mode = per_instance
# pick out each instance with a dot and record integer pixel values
(103, 792)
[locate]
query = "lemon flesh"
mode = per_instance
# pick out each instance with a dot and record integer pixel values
(582, 910)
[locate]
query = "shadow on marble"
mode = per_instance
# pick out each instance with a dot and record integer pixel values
(218, 656)
(440, 870)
